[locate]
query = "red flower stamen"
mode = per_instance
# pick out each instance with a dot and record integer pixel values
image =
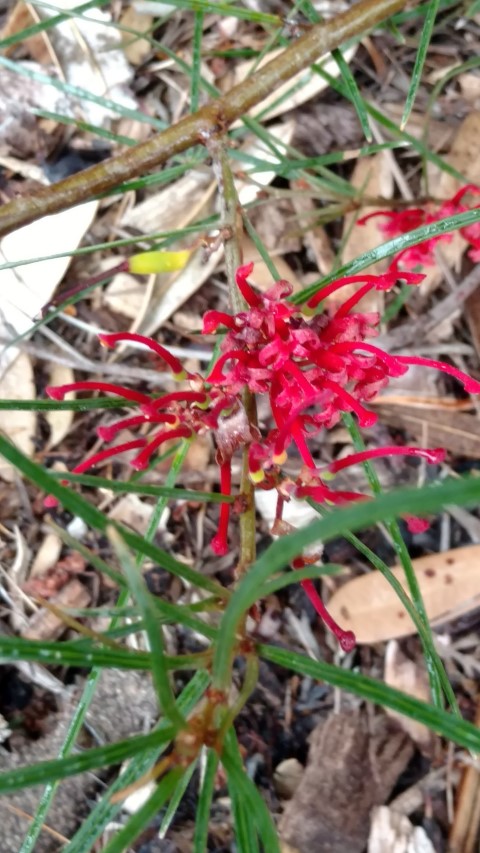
(57, 392)
(141, 461)
(346, 639)
(213, 319)
(432, 456)
(251, 298)
(471, 386)
(109, 340)
(219, 543)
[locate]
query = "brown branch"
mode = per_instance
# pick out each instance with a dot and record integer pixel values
(215, 117)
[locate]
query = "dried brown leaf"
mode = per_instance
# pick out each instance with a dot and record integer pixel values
(409, 677)
(58, 420)
(136, 49)
(46, 625)
(373, 177)
(17, 383)
(456, 431)
(449, 583)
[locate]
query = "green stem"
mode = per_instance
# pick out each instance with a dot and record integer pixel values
(216, 117)
(233, 227)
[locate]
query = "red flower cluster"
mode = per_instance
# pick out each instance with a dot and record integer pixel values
(403, 221)
(311, 366)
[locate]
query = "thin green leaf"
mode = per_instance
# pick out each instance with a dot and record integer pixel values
(392, 247)
(105, 811)
(176, 799)
(48, 23)
(145, 814)
(81, 94)
(244, 787)
(204, 803)
(101, 756)
(145, 603)
(81, 655)
(447, 725)
(138, 488)
(196, 60)
(415, 80)
(414, 501)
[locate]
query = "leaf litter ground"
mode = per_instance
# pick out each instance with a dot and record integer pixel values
(287, 717)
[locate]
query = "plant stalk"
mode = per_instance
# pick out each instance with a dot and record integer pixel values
(212, 119)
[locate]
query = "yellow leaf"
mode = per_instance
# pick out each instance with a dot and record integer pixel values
(156, 262)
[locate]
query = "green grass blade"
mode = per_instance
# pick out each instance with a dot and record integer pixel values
(196, 61)
(204, 803)
(434, 664)
(426, 35)
(447, 725)
(176, 799)
(145, 814)
(414, 501)
(101, 756)
(83, 654)
(49, 23)
(105, 811)
(81, 94)
(392, 247)
(138, 488)
(244, 787)
(145, 603)
(96, 519)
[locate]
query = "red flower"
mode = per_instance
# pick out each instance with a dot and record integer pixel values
(403, 221)
(312, 368)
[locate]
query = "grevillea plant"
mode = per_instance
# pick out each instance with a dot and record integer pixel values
(311, 363)
(396, 222)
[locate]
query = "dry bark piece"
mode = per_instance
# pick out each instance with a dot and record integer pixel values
(449, 583)
(349, 770)
(466, 822)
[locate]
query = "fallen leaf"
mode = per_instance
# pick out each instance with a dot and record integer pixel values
(392, 832)
(136, 49)
(135, 514)
(458, 432)
(301, 88)
(449, 583)
(90, 54)
(47, 555)
(26, 289)
(59, 420)
(18, 384)
(372, 176)
(20, 17)
(45, 625)
(409, 677)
